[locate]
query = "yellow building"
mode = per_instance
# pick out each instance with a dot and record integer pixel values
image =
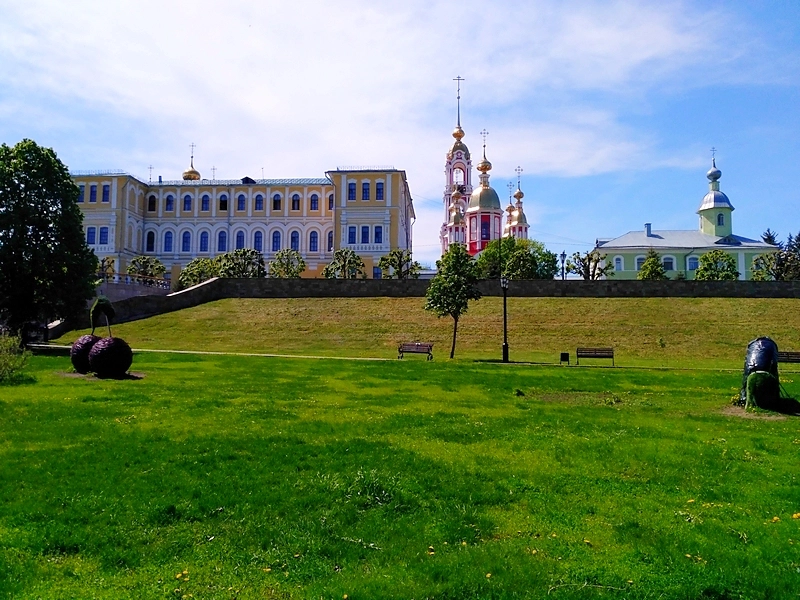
(367, 209)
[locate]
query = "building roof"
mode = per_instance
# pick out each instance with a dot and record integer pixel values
(680, 239)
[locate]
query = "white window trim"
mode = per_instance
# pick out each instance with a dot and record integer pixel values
(695, 256)
(674, 262)
(622, 260)
(636, 261)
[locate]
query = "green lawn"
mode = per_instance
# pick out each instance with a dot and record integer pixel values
(297, 478)
(709, 332)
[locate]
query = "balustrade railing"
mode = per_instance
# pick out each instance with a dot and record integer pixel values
(132, 279)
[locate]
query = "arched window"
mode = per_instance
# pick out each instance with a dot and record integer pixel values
(222, 242)
(618, 263)
(276, 202)
(170, 204)
(239, 240)
(204, 242)
(313, 242)
(276, 241)
(186, 242)
(314, 202)
(379, 191)
(669, 263)
(330, 241)
(240, 202)
(223, 203)
(295, 201)
(473, 229)
(187, 203)
(720, 219)
(330, 201)
(151, 204)
(204, 204)
(639, 262)
(168, 241)
(295, 241)
(484, 229)
(259, 202)
(258, 241)
(692, 263)
(150, 246)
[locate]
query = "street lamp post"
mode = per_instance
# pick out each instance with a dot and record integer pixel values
(563, 258)
(504, 285)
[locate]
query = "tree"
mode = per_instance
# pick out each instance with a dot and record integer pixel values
(770, 237)
(521, 259)
(288, 264)
(244, 263)
(146, 268)
(47, 271)
(398, 264)
(781, 265)
(590, 266)
(716, 265)
(197, 271)
(652, 268)
(453, 287)
(346, 264)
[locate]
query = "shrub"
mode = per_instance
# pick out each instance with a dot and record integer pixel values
(12, 357)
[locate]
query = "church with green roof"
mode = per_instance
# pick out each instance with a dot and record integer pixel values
(680, 250)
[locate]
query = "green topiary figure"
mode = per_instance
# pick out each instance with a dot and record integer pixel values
(763, 390)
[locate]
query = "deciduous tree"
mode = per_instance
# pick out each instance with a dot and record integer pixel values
(346, 264)
(244, 263)
(288, 264)
(716, 265)
(197, 271)
(398, 264)
(590, 266)
(47, 271)
(146, 268)
(453, 287)
(521, 259)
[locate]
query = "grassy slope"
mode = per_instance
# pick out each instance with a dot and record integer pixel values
(279, 478)
(653, 331)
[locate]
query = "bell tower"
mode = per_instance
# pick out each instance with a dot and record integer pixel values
(458, 178)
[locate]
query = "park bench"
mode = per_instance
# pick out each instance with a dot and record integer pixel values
(789, 357)
(415, 348)
(594, 353)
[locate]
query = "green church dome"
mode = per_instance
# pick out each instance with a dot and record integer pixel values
(486, 198)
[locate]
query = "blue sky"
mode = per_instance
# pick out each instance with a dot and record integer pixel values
(610, 108)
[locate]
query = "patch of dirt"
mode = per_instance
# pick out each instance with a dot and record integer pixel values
(739, 411)
(135, 376)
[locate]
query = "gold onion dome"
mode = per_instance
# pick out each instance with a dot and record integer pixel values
(458, 133)
(455, 216)
(484, 166)
(191, 174)
(518, 194)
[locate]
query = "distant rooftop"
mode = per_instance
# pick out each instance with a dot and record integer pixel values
(202, 182)
(367, 168)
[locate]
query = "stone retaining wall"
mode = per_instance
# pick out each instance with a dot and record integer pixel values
(141, 307)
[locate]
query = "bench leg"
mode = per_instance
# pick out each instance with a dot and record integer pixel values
(430, 356)
(399, 355)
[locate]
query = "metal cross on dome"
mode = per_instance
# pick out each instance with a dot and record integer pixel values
(484, 133)
(510, 190)
(713, 152)
(518, 171)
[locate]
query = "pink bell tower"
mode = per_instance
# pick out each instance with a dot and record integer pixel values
(458, 184)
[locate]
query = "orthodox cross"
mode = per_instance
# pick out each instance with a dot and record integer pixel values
(484, 133)
(713, 152)
(151, 172)
(192, 146)
(518, 171)
(510, 190)
(214, 173)
(459, 79)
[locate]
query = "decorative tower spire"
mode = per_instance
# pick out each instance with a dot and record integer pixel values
(715, 208)
(191, 174)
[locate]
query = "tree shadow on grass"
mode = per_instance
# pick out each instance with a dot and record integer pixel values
(18, 379)
(126, 377)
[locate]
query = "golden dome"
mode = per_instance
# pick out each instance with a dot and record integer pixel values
(191, 174)
(484, 166)
(457, 195)
(518, 194)
(458, 133)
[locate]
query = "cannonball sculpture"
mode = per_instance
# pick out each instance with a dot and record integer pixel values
(79, 353)
(110, 357)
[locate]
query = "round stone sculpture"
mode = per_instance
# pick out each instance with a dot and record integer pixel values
(79, 353)
(111, 357)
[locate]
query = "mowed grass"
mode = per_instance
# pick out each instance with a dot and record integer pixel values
(246, 477)
(647, 331)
